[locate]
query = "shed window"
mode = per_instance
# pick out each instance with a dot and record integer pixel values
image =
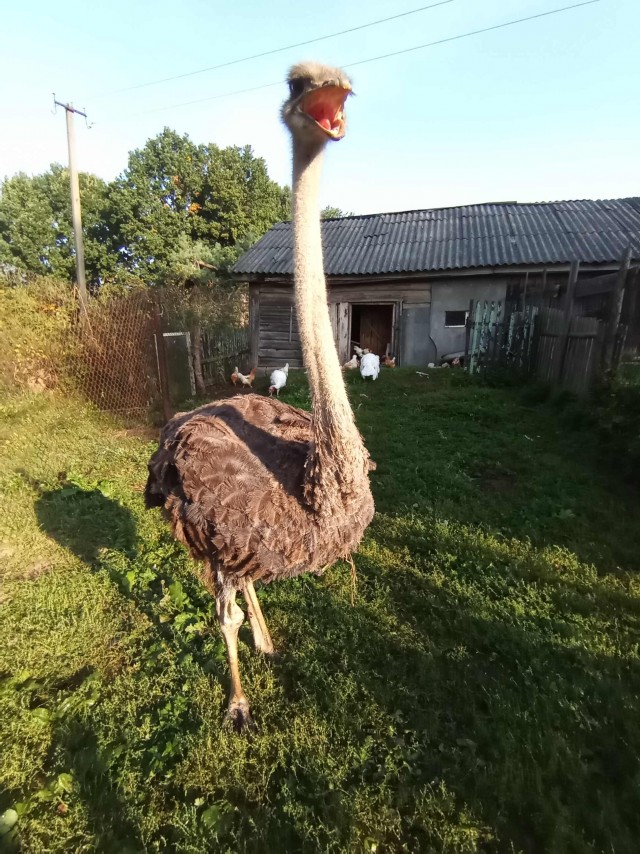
(455, 318)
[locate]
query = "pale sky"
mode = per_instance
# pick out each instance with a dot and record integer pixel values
(543, 110)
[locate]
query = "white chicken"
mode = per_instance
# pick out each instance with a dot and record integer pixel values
(370, 366)
(359, 351)
(278, 380)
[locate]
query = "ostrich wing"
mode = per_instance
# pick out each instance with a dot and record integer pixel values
(229, 476)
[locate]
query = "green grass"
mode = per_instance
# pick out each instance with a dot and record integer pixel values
(481, 694)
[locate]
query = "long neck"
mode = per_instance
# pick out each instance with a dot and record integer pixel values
(338, 455)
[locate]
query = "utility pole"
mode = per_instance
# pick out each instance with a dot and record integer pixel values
(76, 216)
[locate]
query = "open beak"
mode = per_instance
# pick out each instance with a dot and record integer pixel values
(325, 106)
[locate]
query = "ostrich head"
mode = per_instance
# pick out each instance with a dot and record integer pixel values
(314, 110)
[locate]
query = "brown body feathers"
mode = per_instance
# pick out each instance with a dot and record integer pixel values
(230, 477)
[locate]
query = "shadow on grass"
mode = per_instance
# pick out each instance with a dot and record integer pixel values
(485, 680)
(107, 814)
(86, 521)
(533, 732)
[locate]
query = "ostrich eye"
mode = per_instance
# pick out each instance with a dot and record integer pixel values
(297, 86)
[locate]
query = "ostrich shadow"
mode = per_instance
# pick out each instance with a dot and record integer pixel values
(88, 523)
(85, 522)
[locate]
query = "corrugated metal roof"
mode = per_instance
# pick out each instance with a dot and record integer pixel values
(489, 235)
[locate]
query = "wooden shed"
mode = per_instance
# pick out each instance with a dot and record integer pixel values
(402, 282)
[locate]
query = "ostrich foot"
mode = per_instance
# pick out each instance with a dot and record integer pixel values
(231, 618)
(239, 716)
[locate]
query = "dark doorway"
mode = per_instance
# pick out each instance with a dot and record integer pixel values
(372, 327)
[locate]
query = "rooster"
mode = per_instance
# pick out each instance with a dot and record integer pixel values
(370, 366)
(278, 380)
(237, 377)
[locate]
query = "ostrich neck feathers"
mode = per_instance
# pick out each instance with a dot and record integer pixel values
(338, 460)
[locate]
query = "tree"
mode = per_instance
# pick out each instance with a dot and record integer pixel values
(172, 191)
(35, 224)
(330, 212)
(199, 294)
(172, 187)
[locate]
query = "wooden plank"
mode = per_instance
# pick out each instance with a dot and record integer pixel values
(274, 293)
(613, 319)
(597, 285)
(281, 324)
(280, 353)
(343, 331)
(473, 345)
(567, 314)
(381, 293)
(467, 335)
(333, 318)
(254, 321)
(274, 335)
(281, 312)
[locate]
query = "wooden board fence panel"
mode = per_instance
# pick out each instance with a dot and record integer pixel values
(222, 351)
(559, 350)
(568, 358)
(549, 357)
(581, 357)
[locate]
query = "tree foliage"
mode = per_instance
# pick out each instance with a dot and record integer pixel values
(173, 193)
(331, 212)
(35, 224)
(173, 187)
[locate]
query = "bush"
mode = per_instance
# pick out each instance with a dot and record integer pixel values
(618, 416)
(612, 415)
(36, 316)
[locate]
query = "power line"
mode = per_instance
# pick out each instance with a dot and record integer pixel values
(375, 58)
(212, 97)
(276, 50)
(473, 33)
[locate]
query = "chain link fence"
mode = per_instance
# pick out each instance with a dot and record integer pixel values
(130, 352)
(112, 355)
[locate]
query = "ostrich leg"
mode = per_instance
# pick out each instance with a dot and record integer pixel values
(231, 618)
(261, 636)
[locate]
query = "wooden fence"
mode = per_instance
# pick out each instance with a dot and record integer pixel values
(563, 351)
(222, 352)
(568, 352)
(499, 339)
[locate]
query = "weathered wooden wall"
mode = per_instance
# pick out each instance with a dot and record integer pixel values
(274, 332)
(272, 316)
(275, 327)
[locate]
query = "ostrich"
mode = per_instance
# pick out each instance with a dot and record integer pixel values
(257, 489)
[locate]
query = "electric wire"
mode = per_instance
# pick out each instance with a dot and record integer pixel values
(277, 49)
(373, 58)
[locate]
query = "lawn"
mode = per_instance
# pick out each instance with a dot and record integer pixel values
(479, 689)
